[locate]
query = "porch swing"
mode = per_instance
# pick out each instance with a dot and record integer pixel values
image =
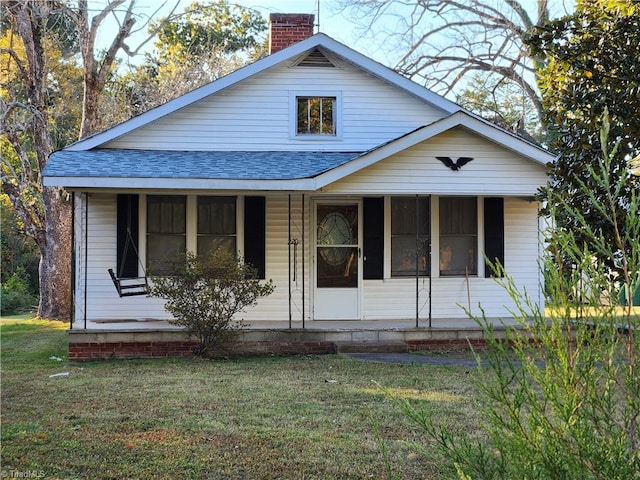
(129, 286)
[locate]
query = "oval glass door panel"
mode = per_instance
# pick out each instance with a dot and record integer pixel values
(337, 246)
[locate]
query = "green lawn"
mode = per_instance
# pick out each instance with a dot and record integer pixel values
(300, 417)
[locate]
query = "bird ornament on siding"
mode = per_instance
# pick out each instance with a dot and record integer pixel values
(457, 165)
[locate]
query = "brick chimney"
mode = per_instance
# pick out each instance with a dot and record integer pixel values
(288, 28)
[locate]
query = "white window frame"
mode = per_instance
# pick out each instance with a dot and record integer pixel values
(293, 115)
(192, 223)
(435, 238)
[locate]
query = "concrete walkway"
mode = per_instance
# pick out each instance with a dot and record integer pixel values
(454, 360)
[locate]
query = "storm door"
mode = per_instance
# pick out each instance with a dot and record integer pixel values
(337, 262)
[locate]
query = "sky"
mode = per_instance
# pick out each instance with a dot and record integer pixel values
(331, 20)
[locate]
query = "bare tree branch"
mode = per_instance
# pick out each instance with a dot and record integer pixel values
(445, 41)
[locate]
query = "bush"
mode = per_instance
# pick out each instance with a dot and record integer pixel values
(561, 395)
(16, 297)
(205, 294)
(18, 250)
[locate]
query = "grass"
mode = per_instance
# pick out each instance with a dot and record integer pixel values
(302, 417)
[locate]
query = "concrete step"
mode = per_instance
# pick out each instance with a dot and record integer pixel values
(371, 347)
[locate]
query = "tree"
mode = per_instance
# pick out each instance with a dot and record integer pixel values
(593, 65)
(446, 42)
(198, 46)
(27, 144)
(20, 257)
(37, 35)
(205, 293)
(561, 397)
(502, 103)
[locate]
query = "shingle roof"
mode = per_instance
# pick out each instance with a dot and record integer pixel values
(247, 165)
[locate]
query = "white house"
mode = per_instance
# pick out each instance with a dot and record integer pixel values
(364, 196)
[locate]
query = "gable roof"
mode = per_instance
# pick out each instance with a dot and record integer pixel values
(281, 170)
(317, 41)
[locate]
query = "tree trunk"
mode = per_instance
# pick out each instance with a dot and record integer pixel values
(55, 261)
(49, 222)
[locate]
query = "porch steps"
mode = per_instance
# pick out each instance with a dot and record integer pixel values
(371, 347)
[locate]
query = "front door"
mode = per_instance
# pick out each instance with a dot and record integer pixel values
(337, 262)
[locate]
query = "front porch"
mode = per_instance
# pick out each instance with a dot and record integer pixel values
(157, 338)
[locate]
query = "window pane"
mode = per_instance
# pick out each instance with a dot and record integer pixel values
(403, 236)
(327, 116)
(302, 118)
(166, 214)
(211, 243)
(458, 255)
(458, 236)
(337, 225)
(166, 230)
(315, 116)
(216, 224)
(337, 267)
(217, 215)
(403, 256)
(160, 248)
(458, 216)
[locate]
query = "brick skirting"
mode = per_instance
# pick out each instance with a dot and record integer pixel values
(110, 350)
(102, 344)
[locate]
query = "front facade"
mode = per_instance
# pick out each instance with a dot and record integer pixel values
(363, 196)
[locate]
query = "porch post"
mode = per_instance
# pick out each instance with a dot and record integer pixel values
(86, 253)
(73, 262)
(303, 258)
(289, 253)
(417, 259)
(430, 272)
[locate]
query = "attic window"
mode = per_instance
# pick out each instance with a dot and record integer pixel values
(315, 59)
(316, 116)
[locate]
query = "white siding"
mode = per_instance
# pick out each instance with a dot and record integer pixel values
(254, 114)
(391, 298)
(493, 171)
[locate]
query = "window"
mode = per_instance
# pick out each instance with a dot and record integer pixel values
(458, 236)
(216, 224)
(166, 230)
(316, 116)
(410, 236)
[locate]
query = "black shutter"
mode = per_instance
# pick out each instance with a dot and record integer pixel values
(373, 241)
(493, 233)
(127, 236)
(255, 233)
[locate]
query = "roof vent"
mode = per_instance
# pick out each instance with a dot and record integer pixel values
(316, 58)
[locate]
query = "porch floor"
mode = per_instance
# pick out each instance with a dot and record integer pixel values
(147, 324)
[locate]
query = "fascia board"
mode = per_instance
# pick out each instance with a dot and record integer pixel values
(482, 128)
(307, 184)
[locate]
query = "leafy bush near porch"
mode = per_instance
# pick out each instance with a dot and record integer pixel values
(205, 293)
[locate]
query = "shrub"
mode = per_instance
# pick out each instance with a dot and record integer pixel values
(16, 297)
(205, 294)
(561, 396)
